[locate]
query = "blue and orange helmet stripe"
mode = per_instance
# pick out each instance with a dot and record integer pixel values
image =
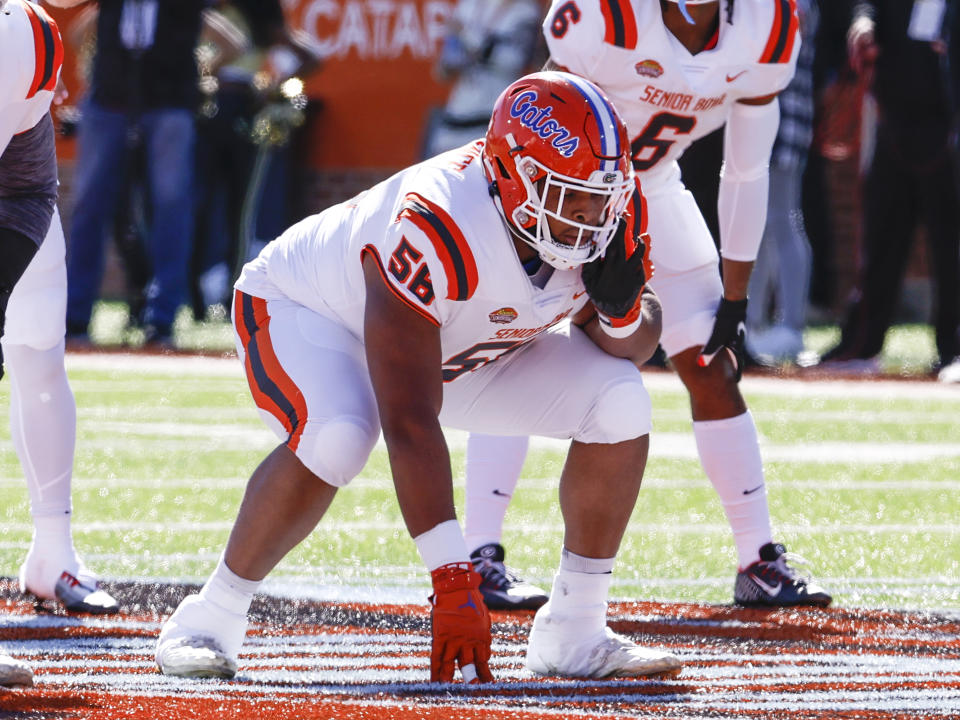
(608, 122)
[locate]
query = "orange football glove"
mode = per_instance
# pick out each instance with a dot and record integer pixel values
(460, 624)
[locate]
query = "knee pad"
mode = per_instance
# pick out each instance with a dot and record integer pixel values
(621, 412)
(336, 450)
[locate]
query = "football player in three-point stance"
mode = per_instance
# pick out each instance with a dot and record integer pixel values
(32, 304)
(438, 297)
(676, 71)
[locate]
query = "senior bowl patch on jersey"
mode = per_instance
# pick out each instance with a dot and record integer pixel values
(503, 316)
(649, 68)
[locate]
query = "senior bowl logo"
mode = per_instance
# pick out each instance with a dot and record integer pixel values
(503, 316)
(649, 68)
(538, 119)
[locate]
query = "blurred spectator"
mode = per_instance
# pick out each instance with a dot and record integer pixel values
(781, 274)
(237, 123)
(838, 97)
(489, 44)
(143, 86)
(912, 179)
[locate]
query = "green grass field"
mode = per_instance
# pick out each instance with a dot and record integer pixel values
(862, 480)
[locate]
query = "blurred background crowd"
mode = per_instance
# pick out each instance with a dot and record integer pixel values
(194, 131)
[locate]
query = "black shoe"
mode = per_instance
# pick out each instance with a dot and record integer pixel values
(770, 582)
(501, 589)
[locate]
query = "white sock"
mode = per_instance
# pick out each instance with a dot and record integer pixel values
(580, 599)
(43, 425)
(51, 552)
(51, 536)
(494, 463)
(228, 590)
(578, 563)
(730, 455)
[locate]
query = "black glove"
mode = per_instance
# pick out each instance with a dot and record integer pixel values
(612, 281)
(728, 332)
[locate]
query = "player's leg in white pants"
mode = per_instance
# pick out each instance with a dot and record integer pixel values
(43, 423)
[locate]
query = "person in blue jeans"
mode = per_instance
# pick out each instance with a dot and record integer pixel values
(144, 88)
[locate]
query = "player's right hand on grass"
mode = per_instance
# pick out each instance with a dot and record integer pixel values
(460, 625)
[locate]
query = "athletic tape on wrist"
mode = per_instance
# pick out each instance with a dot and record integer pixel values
(442, 544)
(620, 331)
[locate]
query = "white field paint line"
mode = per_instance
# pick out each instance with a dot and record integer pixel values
(867, 416)
(810, 388)
(364, 681)
(650, 483)
(655, 380)
(346, 526)
(663, 445)
(183, 429)
(168, 446)
(176, 365)
(683, 446)
(226, 415)
(247, 413)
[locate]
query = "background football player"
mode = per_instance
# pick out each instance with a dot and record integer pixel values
(32, 306)
(438, 297)
(676, 71)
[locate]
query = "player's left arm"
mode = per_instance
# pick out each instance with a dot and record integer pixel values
(748, 141)
(742, 209)
(623, 317)
(640, 345)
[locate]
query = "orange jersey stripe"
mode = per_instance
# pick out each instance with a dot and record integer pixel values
(273, 390)
(783, 33)
(383, 274)
(638, 229)
(47, 48)
(448, 242)
(620, 23)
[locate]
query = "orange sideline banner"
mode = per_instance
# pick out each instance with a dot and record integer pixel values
(376, 84)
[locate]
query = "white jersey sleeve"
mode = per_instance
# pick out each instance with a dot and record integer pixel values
(31, 53)
(775, 58)
(425, 258)
(574, 30)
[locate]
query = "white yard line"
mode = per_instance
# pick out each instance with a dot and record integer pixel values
(535, 528)
(650, 481)
(164, 437)
(658, 380)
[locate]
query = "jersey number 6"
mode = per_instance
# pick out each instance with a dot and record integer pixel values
(650, 138)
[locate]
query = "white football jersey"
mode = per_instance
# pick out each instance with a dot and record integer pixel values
(31, 54)
(668, 97)
(443, 249)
